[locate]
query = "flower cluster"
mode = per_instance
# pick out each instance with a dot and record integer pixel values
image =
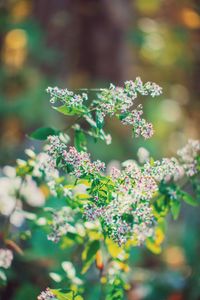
(134, 181)
(173, 168)
(118, 229)
(188, 156)
(124, 204)
(45, 164)
(77, 163)
(166, 169)
(66, 96)
(121, 99)
(142, 220)
(129, 213)
(125, 210)
(149, 88)
(116, 226)
(6, 257)
(46, 295)
(134, 187)
(140, 125)
(112, 101)
(60, 223)
(55, 146)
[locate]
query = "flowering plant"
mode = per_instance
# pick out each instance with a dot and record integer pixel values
(104, 210)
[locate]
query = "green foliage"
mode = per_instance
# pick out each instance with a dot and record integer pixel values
(66, 295)
(175, 208)
(43, 133)
(89, 254)
(189, 199)
(3, 278)
(116, 290)
(68, 111)
(80, 141)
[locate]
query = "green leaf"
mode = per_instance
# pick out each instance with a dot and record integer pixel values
(161, 206)
(123, 116)
(189, 199)
(3, 278)
(116, 290)
(175, 208)
(80, 141)
(66, 295)
(43, 133)
(70, 111)
(89, 254)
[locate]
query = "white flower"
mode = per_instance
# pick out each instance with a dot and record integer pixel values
(32, 194)
(6, 257)
(188, 156)
(108, 139)
(143, 155)
(9, 189)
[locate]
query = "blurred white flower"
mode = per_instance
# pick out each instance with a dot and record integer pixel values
(56, 277)
(17, 217)
(9, 187)
(143, 155)
(71, 272)
(6, 257)
(69, 269)
(108, 139)
(32, 194)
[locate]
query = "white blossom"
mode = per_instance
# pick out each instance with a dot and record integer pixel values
(143, 155)
(6, 257)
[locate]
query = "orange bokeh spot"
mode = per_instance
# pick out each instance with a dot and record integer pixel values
(14, 50)
(20, 10)
(190, 18)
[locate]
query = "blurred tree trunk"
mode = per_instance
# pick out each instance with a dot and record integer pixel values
(92, 34)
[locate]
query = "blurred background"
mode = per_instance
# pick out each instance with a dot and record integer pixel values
(88, 43)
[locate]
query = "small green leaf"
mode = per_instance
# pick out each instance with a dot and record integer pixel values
(66, 295)
(123, 116)
(3, 278)
(175, 208)
(88, 254)
(189, 199)
(80, 141)
(116, 290)
(70, 111)
(43, 133)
